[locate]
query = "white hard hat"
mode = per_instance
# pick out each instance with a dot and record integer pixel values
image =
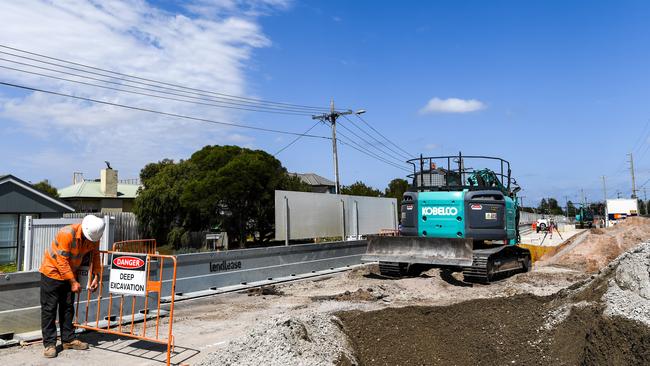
(92, 227)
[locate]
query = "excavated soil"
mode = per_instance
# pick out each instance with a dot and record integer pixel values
(501, 331)
(595, 248)
(602, 320)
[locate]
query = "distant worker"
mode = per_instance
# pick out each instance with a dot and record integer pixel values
(59, 280)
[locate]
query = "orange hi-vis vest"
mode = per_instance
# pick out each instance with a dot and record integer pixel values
(66, 253)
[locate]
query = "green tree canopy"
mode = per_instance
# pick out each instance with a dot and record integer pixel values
(396, 189)
(45, 187)
(571, 208)
(224, 187)
(642, 208)
(359, 188)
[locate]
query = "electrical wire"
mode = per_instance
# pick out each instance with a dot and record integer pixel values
(362, 150)
(161, 113)
(296, 139)
(387, 155)
(259, 108)
(641, 138)
(124, 76)
(384, 137)
(406, 157)
(148, 94)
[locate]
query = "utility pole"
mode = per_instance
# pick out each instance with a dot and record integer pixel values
(331, 119)
(632, 172)
(605, 200)
(566, 203)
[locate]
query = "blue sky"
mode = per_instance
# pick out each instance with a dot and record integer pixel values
(563, 87)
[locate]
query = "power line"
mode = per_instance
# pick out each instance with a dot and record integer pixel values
(641, 137)
(161, 113)
(384, 137)
(360, 149)
(185, 94)
(379, 142)
(370, 144)
(148, 94)
(296, 139)
(223, 95)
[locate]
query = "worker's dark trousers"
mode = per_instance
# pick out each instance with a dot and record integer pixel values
(56, 295)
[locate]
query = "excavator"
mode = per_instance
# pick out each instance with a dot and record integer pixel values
(456, 217)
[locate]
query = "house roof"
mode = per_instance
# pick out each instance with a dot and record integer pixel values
(8, 178)
(92, 189)
(314, 179)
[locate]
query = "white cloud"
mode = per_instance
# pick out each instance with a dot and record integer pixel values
(452, 105)
(431, 146)
(209, 49)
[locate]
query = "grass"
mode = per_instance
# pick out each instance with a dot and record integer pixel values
(8, 268)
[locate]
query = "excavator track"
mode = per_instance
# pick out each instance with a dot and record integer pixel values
(392, 269)
(489, 263)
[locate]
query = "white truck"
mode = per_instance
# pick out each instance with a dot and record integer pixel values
(620, 208)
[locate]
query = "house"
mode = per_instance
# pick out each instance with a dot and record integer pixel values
(317, 183)
(19, 199)
(106, 194)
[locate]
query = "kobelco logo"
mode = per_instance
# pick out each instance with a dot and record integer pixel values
(439, 211)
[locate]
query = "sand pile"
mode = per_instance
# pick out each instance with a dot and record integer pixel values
(594, 249)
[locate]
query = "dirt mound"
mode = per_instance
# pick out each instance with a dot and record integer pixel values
(264, 290)
(461, 334)
(594, 249)
(368, 294)
(601, 321)
(596, 231)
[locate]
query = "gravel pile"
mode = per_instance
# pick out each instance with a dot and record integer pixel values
(628, 290)
(313, 339)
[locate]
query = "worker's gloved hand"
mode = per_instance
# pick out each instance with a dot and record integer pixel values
(75, 286)
(94, 284)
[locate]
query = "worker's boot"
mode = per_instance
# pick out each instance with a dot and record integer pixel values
(50, 352)
(76, 345)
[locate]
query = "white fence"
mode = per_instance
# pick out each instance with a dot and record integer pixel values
(301, 215)
(39, 234)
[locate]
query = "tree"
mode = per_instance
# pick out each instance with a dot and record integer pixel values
(554, 208)
(571, 209)
(543, 206)
(45, 187)
(359, 188)
(224, 187)
(396, 189)
(642, 208)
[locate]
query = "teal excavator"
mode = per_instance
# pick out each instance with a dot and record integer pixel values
(455, 216)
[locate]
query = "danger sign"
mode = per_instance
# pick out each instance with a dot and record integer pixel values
(128, 274)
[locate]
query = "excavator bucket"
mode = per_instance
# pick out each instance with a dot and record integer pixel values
(422, 250)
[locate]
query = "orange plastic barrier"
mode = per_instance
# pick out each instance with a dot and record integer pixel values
(124, 322)
(148, 246)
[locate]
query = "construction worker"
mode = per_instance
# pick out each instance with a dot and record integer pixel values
(59, 280)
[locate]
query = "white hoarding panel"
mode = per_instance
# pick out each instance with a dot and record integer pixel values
(319, 215)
